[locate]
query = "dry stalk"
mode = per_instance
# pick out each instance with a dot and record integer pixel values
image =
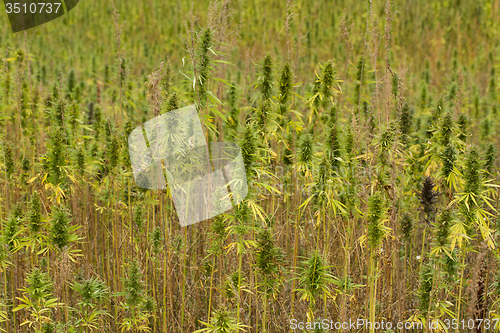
(155, 88)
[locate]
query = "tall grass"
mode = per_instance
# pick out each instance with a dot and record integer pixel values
(368, 136)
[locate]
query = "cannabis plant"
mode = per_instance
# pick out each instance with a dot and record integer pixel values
(314, 280)
(37, 303)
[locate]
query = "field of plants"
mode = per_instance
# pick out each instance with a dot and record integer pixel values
(367, 130)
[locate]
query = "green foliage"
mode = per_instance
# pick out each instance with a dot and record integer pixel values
(71, 80)
(39, 285)
(173, 103)
(11, 231)
(8, 160)
(405, 121)
(155, 238)
(407, 226)
(314, 279)
(490, 157)
(80, 161)
(267, 77)
(268, 260)
(472, 173)
(232, 119)
(446, 129)
(56, 158)
(448, 158)
(35, 213)
(426, 280)
(218, 234)
(287, 153)
(138, 219)
(442, 226)
(306, 149)
(463, 126)
(204, 67)
(333, 145)
(248, 148)
(92, 291)
(340, 114)
(61, 232)
(395, 84)
(38, 300)
(133, 285)
(136, 302)
(328, 81)
(285, 84)
(222, 321)
(451, 264)
(376, 216)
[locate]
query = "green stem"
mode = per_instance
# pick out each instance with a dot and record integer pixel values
(240, 261)
(211, 286)
(184, 278)
(372, 283)
(459, 301)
